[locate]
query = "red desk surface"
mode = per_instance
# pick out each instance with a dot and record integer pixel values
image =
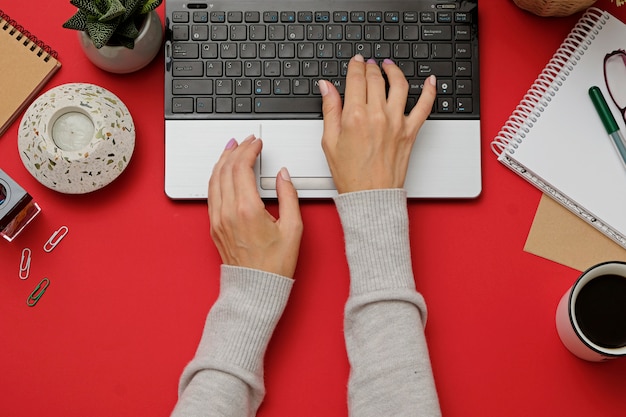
(133, 280)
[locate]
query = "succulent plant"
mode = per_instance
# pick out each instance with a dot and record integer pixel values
(111, 22)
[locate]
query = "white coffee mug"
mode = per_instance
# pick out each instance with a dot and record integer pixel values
(591, 316)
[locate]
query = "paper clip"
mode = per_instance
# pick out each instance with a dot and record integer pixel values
(55, 239)
(25, 263)
(34, 296)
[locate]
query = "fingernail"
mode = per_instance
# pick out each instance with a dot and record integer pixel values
(249, 138)
(323, 87)
(359, 58)
(284, 174)
(432, 80)
(371, 61)
(388, 61)
(231, 144)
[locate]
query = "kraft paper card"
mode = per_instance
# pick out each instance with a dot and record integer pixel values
(560, 236)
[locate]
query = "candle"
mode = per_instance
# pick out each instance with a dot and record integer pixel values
(72, 131)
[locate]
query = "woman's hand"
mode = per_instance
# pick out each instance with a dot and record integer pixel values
(244, 232)
(368, 142)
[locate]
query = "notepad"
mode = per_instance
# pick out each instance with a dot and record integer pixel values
(555, 139)
(26, 64)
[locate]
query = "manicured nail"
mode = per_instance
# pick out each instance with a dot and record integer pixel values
(284, 174)
(359, 58)
(388, 61)
(371, 61)
(249, 138)
(231, 144)
(432, 80)
(323, 87)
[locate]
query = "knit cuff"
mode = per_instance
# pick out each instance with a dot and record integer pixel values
(242, 320)
(376, 231)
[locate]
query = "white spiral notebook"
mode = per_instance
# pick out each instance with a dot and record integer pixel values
(555, 139)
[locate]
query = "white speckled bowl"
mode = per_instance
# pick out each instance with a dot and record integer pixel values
(97, 163)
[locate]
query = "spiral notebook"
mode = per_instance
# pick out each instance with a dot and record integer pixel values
(555, 139)
(26, 64)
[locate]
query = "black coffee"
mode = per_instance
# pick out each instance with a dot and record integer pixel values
(601, 311)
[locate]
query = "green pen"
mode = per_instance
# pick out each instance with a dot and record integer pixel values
(609, 122)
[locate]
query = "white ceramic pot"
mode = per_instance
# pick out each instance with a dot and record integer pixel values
(121, 60)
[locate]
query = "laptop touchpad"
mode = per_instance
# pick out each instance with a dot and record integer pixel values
(296, 145)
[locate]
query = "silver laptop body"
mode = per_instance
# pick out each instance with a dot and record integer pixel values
(446, 159)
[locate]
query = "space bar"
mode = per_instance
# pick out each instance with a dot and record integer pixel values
(288, 105)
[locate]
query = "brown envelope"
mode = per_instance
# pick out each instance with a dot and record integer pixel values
(560, 236)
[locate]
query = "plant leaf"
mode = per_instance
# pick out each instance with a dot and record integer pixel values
(77, 22)
(101, 32)
(150, 5)
(113, 11)
(133, 8)
(88, 6)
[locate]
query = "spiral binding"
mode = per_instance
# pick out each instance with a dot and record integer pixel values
(10, 25)
(548, 83)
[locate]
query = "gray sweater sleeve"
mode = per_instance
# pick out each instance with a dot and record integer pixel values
(225, 377)
(390, 370)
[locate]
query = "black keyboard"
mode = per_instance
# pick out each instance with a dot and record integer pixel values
(262, 60)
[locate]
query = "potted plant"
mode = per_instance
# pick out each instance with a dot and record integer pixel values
(119, 36)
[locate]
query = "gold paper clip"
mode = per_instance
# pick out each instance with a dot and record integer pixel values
(55, 239)
(25, 263)
(34, 296)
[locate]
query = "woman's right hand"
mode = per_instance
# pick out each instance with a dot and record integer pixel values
(368, 140)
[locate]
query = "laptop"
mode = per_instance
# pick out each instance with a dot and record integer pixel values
(240, 67)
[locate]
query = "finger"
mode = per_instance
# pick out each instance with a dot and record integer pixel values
(214, 198)
(244, 178)
(424, 105)
(331, 109)
(375, 84)
(227, 182)
(288, 204)
(398, 87)
(356, 87)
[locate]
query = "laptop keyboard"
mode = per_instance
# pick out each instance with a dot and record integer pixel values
(262, 60)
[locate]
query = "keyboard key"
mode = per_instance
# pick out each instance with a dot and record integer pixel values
(192, 86)
(323, 17)
(287, 17)
(436, 33)
(180, 32)
(375, 17)
(223, 87)
(204, 105)
(288, 105)
(235, 17)
(270, 17)
(218, 17)
(200, 32)
(223, 105)
(243, 87)
(252, 17)
(357, 17)
(340, 17)
(305, 17)
(439, 68)
(185, 50)
(180, 17)
(188, 69)
(182, 105)
(392, 17)
(243, 105)
(200, 17)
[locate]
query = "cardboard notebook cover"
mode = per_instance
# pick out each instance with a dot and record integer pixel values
(26, 64)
